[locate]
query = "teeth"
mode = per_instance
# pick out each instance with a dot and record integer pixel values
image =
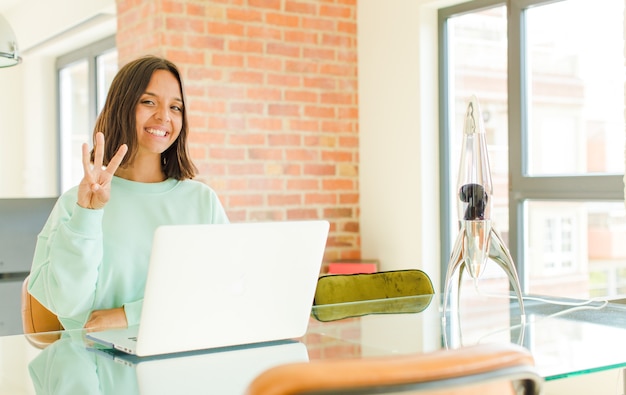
(156, 132)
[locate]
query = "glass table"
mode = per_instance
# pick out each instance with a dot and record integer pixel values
(578, 348)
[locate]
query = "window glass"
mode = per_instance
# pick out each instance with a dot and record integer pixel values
(106, 68)
(478, 66)
(575, 249)
(74, 119)
(575, 87)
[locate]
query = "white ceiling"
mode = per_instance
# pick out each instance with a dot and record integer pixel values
(8, 4)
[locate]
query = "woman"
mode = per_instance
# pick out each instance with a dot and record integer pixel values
(91, 258)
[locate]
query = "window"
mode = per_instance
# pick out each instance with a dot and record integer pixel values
(84, 77)
(553, 110)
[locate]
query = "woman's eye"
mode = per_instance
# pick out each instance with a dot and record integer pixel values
(176, 108)
(149, 102)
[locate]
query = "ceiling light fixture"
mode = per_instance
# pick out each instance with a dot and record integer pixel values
(8, 45)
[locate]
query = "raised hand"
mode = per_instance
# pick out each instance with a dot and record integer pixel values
(94, 189)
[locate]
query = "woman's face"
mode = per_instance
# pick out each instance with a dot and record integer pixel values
(159, 113)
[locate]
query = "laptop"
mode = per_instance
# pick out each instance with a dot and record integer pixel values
(224, 371)
(212, 286)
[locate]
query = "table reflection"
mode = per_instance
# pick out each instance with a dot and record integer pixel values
(71, 366)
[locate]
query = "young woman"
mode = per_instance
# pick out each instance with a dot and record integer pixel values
(91, 258)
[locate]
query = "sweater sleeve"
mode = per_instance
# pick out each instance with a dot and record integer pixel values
(65, 265)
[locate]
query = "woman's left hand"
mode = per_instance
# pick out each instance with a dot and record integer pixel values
(107, 319)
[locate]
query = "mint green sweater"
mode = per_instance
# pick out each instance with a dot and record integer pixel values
(88, 260)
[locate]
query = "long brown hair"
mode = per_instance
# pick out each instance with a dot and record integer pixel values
(118, 123)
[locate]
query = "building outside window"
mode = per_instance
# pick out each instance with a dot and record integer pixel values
(552, 96)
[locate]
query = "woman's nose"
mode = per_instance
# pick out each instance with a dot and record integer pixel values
(162, 114)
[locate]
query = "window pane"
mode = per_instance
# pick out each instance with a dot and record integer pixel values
(575, 249)
(576, 88)
(478, 65)
(106, 68)
(74, 120)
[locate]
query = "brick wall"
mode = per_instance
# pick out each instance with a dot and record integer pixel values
(272, 98)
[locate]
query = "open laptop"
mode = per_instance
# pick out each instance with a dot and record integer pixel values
(214, 286)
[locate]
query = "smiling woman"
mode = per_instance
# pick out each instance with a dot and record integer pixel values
(92, 256)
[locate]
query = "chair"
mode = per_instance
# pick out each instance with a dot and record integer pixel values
(382, 288)
(485, 369)
(37, 319)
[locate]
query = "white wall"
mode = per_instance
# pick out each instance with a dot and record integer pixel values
(399, 132)
(44, 30)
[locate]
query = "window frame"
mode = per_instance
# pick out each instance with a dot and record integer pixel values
(522, 187)
(90, 53)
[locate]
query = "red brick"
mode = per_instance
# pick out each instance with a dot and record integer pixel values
(284, 200)
(301, 7)
(245, 46)
(246, 108)
(227, 153)
(320, 198)
(320, 83)
(305, 126)
(207, 138)
(349, 198)
(204, 42)
(337, 98)
(320, 112)
(266, 184)
(292, 110)
(318, 24)
(272, 4)
(337, 184)
(301, 37)
(264, 63)
(310, 184)
(336, 11)
(265, 123)
(266, 215)
(227, 59)
(320, 170)
(338, 126)
(337, 156)
(301, 96)
(302, 213)
(265, 154)
(185, 24)
(246, 169)
(301, 155)
(246, 77)
(245, 200)
(225, 29)
(284, 80)
(282, 20)
(301, 66)
(293, 51)
(284, 139)
(263, 93)
(246, 139)
(246, 15)
(319, 53)
(264, 32)
(348, 142)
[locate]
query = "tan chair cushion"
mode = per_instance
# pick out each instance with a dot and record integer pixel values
(485, 369)
(35, 317)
